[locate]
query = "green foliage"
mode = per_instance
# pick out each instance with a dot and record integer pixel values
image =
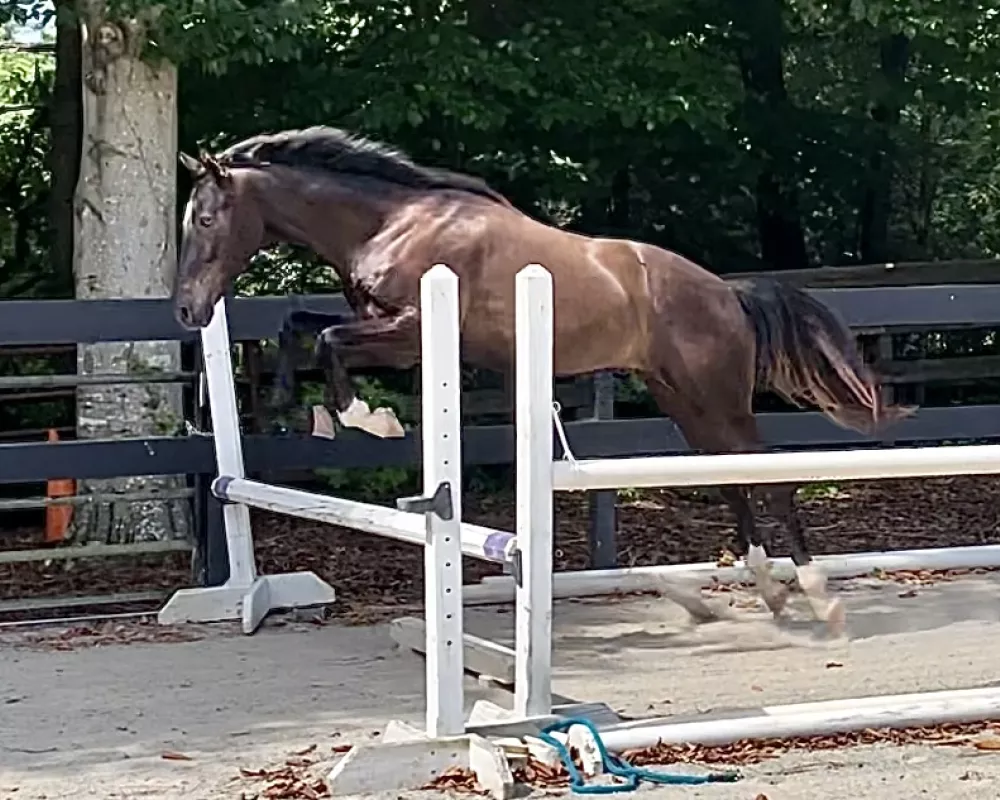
(821, 491)
(553, 102)
(14, 13)
(282, 270)
(636, 118)
(221, 33)
(25, 83)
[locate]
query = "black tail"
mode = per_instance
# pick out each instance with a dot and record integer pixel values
(807, 355)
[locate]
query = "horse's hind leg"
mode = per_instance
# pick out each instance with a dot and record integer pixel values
(812, 579)
(750, 545)
(727, 432)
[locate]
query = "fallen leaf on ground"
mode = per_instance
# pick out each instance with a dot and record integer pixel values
(253, 773)
(752, 751)
(170, 755)
(987, 744)
(832, 664)
(456, 779)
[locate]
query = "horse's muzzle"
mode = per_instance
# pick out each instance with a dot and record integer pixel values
(192, 316)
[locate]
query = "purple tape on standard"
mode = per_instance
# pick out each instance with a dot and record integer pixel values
(495, 546)
(220, 487)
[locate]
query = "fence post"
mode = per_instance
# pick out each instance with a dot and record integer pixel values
(604, 504)
(441, 425)
(533, 388)
(211, 558)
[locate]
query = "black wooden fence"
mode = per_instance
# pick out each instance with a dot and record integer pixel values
(893, 309)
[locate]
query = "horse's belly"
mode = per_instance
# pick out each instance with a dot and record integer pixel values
(575, 352)
(610, 337)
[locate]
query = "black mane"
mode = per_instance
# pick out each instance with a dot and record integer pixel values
(335, 150)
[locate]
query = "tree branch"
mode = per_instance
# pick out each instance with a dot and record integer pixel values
(20, 107)
(45, 48)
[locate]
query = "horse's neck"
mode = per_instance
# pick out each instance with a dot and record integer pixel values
(329, 217)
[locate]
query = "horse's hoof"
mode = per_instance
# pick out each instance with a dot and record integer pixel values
(322, 424)
(836, 620)
(812, 579)
(776, 598)
(381, 422)
(385, 425)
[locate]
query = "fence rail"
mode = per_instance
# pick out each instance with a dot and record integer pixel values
(34, 322)
(912, 273)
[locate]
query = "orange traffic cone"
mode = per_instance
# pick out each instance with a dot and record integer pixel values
(57, 518)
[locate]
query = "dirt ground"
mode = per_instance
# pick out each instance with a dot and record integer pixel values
(131, 711)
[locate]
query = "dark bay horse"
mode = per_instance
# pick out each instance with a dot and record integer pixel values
(701, 344)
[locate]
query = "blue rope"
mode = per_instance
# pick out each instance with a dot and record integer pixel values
(619, 767)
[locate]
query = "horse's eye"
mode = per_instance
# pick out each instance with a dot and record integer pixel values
(206, 220)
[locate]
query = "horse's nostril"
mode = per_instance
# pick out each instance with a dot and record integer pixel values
(185, 314)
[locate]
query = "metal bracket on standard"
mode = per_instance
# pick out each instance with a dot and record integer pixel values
(517, 567)
(439, 503)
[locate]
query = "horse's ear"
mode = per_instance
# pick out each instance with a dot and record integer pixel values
(215, 169)
(192, 165)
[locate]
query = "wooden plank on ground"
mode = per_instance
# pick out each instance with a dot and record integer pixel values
(482, 657)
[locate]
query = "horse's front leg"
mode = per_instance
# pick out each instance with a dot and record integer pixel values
(284, 388)
(380, 341)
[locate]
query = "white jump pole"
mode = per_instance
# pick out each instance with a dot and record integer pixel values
(813, 719)
(533, 391)
(760, 468)
(495, 589)
(485, 544)
(246, 595)
(441, 423)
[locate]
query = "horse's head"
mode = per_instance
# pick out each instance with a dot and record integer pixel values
(222, 229)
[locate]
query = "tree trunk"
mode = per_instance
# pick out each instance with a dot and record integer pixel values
(125, 248)
(876, 207)
(64, 153)
(760, 28)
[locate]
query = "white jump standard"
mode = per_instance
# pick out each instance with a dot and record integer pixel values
(246, 595)
(407, 757)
